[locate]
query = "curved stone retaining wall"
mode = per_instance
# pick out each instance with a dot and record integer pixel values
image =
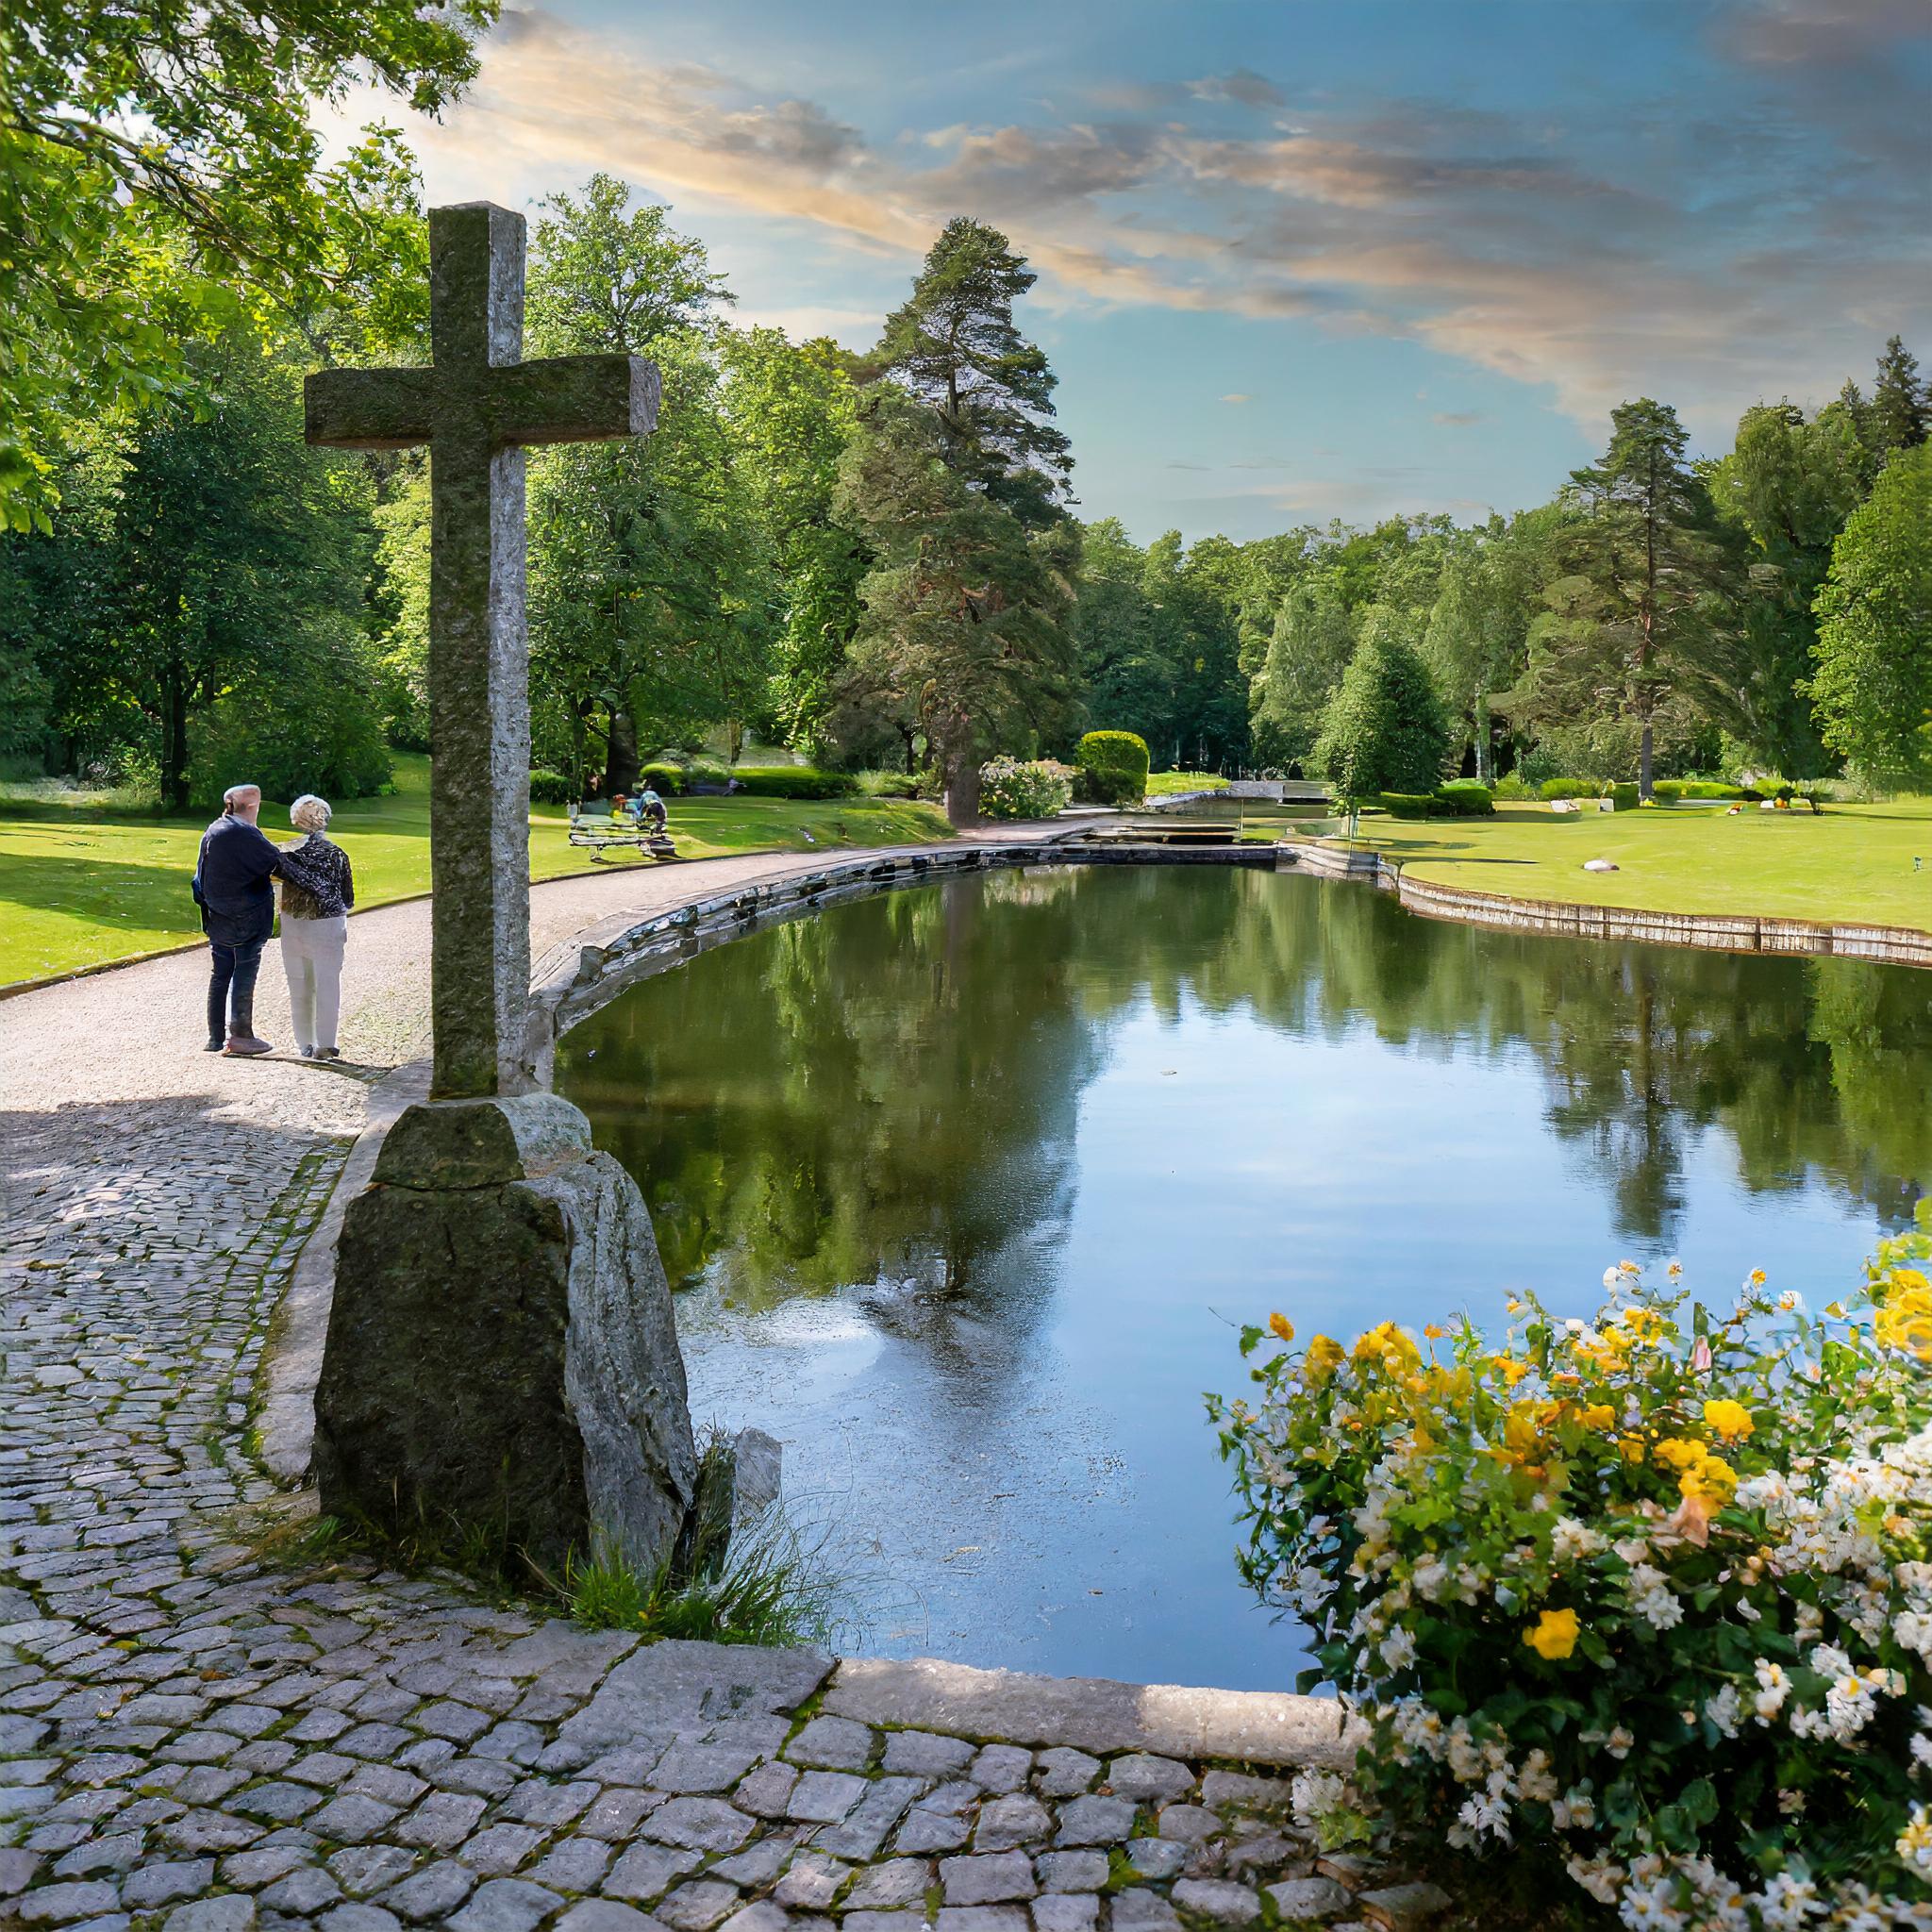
(1892, 945)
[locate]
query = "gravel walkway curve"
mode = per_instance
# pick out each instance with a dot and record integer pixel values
(196, 1739)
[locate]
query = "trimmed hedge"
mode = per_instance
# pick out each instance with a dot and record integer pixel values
(1112, 767)
(1467, 799)
(551, 788)
(1695, 788)
(794, 781)
(669, 780)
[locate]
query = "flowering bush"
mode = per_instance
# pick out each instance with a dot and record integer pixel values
(1010, 789)
(1651, 1592)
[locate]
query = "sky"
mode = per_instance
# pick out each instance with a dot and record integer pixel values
(1298, 260)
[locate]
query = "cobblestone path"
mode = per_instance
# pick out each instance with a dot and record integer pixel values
(197, 1738)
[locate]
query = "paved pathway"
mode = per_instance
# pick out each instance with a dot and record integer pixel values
(194, 1736)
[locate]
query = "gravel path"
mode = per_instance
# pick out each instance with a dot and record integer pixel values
(195, 1738)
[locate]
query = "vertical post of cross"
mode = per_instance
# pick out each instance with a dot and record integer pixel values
(480, 696)
(479, 406)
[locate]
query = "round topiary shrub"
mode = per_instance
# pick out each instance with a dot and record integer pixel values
(1112, 767)
(551, 788)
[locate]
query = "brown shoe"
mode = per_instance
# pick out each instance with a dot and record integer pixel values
(246, 1043)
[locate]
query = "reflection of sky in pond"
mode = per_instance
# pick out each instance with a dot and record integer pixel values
(972, 1187)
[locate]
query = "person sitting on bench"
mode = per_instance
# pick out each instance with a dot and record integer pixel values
(650, 807)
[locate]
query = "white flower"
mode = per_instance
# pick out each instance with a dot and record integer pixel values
(1620, 1743)
(1651, 1598)
(1597, 1877)
(1915, 1841)
(1773, 1687)
(1535, 1780)
(1576, 1810)
(1398, 1649)
(1787, 1901)
(1571, 1540)
(1722, 1711)
(1314, 1794)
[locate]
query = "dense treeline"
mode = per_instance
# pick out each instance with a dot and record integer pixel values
(872, 558)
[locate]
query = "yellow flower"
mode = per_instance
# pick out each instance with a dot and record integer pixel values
(1729, 1421)
(1325, 1357)
(1680, 1452)
(1630, 1448)
(1757, 1278)
(1506, 1366)
(1714, 1478)
(1597, 1415)
(1281, 1326)
(1554, 1636)
(1434, 1333)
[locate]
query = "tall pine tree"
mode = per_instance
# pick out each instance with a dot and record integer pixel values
(954, 345)
(1641, 623)
(955, 477)
(1901, 410)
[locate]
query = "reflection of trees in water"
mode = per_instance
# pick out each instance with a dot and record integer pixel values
(1811, 1068)
(884, 1095)
(887, 1094)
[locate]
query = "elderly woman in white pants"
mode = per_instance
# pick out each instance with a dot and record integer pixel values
(318, 889)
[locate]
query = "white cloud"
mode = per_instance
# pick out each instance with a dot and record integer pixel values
(1491, 242)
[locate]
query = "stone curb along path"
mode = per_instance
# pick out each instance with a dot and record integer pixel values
(196, 1737)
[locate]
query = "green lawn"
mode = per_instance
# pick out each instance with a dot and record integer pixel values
(80, 887)
(1166, 784)
(1854, 863)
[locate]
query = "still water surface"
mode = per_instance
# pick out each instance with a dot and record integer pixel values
(968, 1188)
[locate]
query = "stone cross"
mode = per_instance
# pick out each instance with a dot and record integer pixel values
(479, 405)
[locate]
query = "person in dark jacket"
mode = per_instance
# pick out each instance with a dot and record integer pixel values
(238, 912)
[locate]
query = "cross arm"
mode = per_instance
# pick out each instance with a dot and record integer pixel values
(369, 409)
(573, 399)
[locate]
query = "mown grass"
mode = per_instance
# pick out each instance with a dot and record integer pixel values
(1166, 784)
(82, 883)
(1856, 863)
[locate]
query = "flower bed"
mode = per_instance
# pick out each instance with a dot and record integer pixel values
(1011, 789)
(1647, 1593)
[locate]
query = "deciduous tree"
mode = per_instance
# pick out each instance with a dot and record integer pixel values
(159, 164)
(1873, 686)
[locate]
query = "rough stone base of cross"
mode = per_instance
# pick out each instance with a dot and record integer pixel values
(503, 1371)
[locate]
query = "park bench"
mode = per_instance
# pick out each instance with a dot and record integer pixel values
(625, 831)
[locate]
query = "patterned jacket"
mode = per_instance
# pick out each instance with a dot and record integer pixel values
(317, 882)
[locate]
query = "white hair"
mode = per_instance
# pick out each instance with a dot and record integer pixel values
(235, 793)
(309, 813)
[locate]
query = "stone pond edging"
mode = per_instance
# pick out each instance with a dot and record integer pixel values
(1892, 945)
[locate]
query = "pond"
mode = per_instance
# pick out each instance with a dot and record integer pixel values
(967, 1188)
